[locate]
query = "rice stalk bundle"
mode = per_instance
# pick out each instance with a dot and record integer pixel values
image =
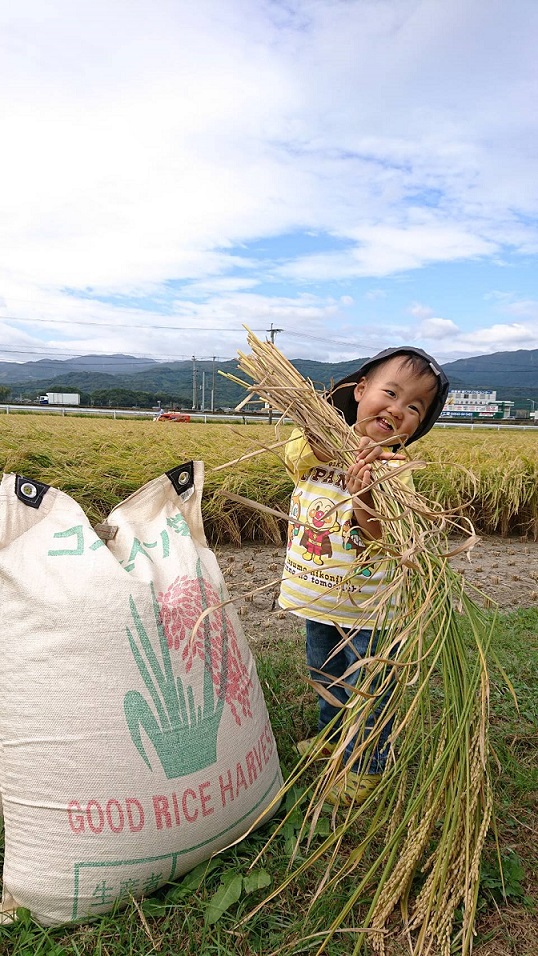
(419, 835)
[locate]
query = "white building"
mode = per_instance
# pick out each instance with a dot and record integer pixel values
(475, 403)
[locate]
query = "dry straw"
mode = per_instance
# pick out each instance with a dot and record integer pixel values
(416, 842)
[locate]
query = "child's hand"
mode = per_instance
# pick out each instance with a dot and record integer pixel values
(358, 477)
(358, 480)
(359, 474)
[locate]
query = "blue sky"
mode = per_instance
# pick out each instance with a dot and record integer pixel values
(356, 173)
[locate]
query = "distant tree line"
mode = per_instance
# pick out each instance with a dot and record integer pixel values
(108, 397)
(129, 398)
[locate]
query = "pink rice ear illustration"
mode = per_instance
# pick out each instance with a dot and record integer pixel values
(183, 732)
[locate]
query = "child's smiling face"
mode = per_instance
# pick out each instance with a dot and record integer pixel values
(393, 401)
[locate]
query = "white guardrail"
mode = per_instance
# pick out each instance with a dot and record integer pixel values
(206, 417)
(65, 410)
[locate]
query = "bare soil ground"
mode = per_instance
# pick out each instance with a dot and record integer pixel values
(504, 569)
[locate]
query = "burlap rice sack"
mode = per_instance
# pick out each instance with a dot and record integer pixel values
(131, 748)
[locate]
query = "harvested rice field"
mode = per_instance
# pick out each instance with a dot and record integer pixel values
(99, 463)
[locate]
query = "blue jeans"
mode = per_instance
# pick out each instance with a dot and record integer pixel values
(321, 639)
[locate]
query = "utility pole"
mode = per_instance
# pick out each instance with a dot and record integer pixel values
(203, 390)
(194, 383)
(213, 388)
(272, 332)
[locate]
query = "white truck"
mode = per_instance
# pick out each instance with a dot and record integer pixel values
(60, 398)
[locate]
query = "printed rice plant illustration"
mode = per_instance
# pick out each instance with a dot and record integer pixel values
(182, 729)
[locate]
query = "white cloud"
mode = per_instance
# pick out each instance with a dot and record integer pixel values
(145, 142)
(527, 307)
(448, 340)
(190, 326)
(500, 337)
(431, 326)
(420, 311)
(384, 250)
(437, 329)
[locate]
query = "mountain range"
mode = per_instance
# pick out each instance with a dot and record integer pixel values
(514, 375)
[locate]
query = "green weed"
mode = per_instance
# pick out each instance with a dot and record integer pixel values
(201, 915)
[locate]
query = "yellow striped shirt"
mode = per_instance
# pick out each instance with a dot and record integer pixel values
(323, 580)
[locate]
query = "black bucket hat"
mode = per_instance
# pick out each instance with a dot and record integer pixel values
(342, 397)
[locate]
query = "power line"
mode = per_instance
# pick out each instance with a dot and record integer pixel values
(133, 360)
(318, 338)
(117, 325)
(170, 328)
(476, 370)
